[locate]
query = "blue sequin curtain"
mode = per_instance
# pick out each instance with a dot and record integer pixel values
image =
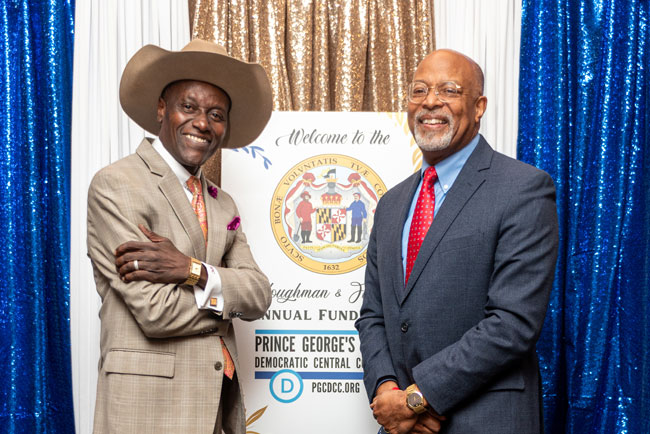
(584, 118)
(35, 97)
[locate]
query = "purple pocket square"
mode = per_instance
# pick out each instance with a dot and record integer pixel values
(213, 191)
(234, 224)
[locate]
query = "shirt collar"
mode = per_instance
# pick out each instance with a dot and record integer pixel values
(449, 168)
(181, 173)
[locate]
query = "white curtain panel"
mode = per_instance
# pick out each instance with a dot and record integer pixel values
(107, 34)
(489, 32)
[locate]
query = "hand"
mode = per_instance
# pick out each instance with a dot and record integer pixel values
(429, 422)
(390, 410)
(159, 261)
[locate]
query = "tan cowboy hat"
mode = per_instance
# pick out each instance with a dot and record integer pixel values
(152, 68)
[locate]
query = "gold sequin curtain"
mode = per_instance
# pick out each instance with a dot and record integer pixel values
(324, 55)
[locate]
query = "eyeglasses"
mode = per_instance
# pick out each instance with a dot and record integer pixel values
(447, 91)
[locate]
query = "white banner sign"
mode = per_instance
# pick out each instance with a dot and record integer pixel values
(307, 191)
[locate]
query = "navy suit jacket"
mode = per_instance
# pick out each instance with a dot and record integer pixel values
(464, 328)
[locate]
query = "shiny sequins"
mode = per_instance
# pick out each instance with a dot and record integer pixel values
(36, 94)
(333, 55)
(584, 118)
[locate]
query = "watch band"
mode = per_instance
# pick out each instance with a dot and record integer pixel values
(194, 272)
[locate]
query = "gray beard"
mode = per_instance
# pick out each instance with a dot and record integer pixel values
(428, 142)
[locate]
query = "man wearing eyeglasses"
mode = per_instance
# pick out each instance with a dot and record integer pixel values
(455, 298)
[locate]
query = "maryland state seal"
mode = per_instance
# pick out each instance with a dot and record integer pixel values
(323, 210)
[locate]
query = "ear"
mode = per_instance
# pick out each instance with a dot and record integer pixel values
(480, 106)
(161, 109)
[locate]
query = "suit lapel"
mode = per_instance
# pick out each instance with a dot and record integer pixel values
(468, 181)
(173, 191)
(402, 211)
(217, 228)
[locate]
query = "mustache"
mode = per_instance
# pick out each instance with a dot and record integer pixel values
(439, 113)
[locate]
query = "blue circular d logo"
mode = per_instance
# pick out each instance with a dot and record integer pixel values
(286, 386)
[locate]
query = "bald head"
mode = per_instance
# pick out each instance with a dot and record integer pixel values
(471, 67)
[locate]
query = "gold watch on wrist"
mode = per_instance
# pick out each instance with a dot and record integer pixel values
(194, 272)
(415, 400)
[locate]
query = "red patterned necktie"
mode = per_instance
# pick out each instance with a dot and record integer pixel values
(422, 218)
(198, 204)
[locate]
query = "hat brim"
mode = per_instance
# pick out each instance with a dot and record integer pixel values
(152, 68)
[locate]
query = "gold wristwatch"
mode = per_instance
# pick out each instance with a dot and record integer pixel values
(415, 400)
(194, 272)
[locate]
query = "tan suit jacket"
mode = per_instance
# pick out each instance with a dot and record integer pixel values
(160, 367)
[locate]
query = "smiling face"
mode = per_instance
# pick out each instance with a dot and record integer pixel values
(441, 129)
(193, 118)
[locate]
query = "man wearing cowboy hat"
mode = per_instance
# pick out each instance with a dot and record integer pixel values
(170, 260)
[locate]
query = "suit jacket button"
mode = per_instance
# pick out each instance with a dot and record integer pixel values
(218, 366)
(404, 327)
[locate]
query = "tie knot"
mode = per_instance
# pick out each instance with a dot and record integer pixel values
(430, 176)
(194, 184)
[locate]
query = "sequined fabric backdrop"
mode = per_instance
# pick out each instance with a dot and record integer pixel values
(326, 55)
(35, 94)
(584, 118)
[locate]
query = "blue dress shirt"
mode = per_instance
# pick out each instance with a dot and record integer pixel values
(447, 170)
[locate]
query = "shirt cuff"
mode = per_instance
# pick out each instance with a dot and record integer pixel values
(382, 380)
(210, 297)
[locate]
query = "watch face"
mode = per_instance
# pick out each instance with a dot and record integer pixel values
(196, 268)
(414, 399)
